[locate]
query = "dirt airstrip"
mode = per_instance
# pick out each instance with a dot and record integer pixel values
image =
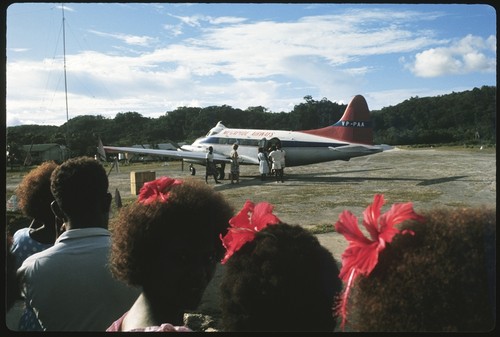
(316, 194)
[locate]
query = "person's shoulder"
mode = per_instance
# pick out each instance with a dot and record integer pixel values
(32, 261)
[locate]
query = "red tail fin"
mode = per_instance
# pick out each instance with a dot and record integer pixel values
(354, 126)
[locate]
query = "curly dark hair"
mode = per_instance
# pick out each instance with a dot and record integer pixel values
(440, 279)
(80, 186)
(144, 234)
(283, 280)
(33, 193)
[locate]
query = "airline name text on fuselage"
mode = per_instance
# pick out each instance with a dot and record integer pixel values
(247, 133)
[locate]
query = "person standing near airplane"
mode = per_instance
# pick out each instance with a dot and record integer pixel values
(276, 157)
(283, 154)
(263, 163)
(211, 171)
(192, 169)
(235, 165)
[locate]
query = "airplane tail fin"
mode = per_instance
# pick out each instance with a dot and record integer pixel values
(100, 150)
(354, 127)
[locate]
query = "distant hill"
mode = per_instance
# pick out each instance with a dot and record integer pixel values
(456, 118)
(467, 117)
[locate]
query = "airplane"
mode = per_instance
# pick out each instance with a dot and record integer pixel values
(351, 136)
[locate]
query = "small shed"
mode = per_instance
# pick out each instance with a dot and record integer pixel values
(38, 153)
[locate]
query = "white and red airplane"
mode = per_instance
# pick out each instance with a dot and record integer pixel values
(351, 136)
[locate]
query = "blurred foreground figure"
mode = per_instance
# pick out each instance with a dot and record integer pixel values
(440, 277)
(278, 277)
(35, 198)
(167, 243)
(69, 285)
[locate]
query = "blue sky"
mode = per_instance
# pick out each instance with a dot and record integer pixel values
(156, 57)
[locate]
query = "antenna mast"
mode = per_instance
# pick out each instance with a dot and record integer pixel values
(65, 79)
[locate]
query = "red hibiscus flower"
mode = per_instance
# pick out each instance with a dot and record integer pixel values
(157, 190)
(244, 225)
(361, 256)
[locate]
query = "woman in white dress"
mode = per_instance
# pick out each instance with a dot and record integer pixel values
(263, 164)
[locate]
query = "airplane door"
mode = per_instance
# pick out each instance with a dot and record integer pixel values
(272, 142)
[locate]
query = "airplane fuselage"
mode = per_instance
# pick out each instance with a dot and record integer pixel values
(300, 148)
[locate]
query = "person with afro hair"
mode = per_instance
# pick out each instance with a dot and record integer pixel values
(34, 199)
(439, 279)
(280, 279)
(167, 243)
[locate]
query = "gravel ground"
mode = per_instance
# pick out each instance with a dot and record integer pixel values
(316, 194)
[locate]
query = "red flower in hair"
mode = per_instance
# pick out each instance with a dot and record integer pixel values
(361, 256)
(157, 190)
(244, 226)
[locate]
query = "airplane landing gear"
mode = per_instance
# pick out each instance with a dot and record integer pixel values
(192, 169)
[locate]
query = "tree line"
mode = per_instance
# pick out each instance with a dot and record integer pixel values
(468, 117)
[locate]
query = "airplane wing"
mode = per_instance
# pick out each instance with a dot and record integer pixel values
(180, 154)
(242, 159)
(356, 148)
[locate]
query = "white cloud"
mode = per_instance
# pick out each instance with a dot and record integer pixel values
(19, 50)
(193, 21)
(470, 54)
(135, 40)
(226, 20)
(198, 20)
(66, 8)
(174, 30)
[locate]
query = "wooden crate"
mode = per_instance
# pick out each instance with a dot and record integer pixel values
(137, 179)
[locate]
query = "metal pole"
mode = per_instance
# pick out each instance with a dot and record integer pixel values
(65, 78)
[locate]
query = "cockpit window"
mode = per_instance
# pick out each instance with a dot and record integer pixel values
(216, 129)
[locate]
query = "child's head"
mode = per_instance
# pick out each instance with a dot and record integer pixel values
(168, 242)
(442, 278)
(281, 280)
